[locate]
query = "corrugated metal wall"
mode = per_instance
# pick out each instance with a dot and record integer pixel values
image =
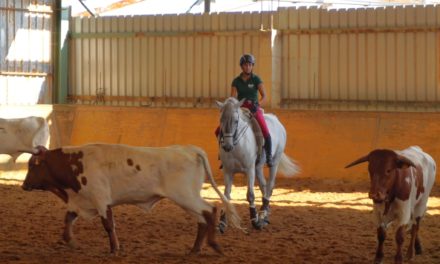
(363, 59)
(183, 60)
(25, 51)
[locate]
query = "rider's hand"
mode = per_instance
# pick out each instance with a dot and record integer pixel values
(254, 108)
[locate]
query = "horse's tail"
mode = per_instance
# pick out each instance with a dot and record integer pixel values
(288, 166)
(230, 211)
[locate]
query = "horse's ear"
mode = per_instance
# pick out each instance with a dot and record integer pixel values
(219, 104)
(241, 102)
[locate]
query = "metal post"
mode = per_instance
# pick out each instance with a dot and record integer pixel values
(207, 6)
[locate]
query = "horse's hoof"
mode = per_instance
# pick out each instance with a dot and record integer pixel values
(221, 227)
(257, 225)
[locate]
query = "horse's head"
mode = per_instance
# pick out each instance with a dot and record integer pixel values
(229, 117)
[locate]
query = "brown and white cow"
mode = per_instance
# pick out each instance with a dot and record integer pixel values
(93, 178)
(18, 135)
(401, 182)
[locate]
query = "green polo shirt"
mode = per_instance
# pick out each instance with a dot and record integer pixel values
(247, 89)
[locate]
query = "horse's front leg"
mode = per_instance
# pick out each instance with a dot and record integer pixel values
(250, 196)
(223, 223)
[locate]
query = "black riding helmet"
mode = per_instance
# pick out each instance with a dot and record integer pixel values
(247, 58)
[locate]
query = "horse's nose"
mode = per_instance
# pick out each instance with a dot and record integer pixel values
(227, 147)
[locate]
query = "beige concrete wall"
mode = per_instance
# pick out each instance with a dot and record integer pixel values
(321, 142)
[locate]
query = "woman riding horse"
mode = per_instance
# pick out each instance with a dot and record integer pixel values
(247, 86)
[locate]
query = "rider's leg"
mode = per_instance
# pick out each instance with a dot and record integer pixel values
(268, 149)
(268, 141)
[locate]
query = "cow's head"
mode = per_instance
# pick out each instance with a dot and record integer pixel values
(38, 173)
(383, 166)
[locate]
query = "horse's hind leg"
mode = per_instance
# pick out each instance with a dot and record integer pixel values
(263, 215)
(265, 208)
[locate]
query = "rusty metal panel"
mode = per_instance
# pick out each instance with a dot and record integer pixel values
(382, 59)
(170, 60)
(25, 51)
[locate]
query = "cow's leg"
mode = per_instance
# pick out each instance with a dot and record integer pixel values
(210, 221)
(381, 235)
(109, 225)
(411, 246)
(228, 185)
(417, 244)
(400, 237)
(69, 220)
(201, 234)
(206, 215)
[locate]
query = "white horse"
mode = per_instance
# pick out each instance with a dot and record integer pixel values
(239, 154)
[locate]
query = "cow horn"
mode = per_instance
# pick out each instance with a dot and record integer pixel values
(360, 160)
(405, 160)
(35, 151)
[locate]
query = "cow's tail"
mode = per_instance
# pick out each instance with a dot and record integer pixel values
(230, 211)
(288, 166)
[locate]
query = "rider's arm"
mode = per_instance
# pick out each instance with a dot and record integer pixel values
(262, 93)
(234, 91)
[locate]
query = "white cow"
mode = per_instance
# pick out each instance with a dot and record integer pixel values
(401, 182)
(93, 178)
(19, 135)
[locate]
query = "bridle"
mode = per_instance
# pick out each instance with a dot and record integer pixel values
(235, 133)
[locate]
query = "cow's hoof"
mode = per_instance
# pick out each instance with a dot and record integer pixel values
(217, 248)
(418, 248)
(378, 261)
(194, 252)
(72, 244)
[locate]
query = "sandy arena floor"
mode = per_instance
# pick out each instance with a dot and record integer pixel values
(311, 222)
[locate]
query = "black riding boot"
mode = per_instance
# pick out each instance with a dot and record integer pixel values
(268, 149)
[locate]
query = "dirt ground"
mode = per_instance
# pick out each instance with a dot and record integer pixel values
(325, 221)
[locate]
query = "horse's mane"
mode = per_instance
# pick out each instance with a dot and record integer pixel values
(233, 99)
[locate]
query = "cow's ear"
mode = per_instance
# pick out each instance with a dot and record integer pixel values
(360, 160)
(404, 162)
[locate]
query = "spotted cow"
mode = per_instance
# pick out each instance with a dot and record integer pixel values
(401, 182)
(91, 179)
